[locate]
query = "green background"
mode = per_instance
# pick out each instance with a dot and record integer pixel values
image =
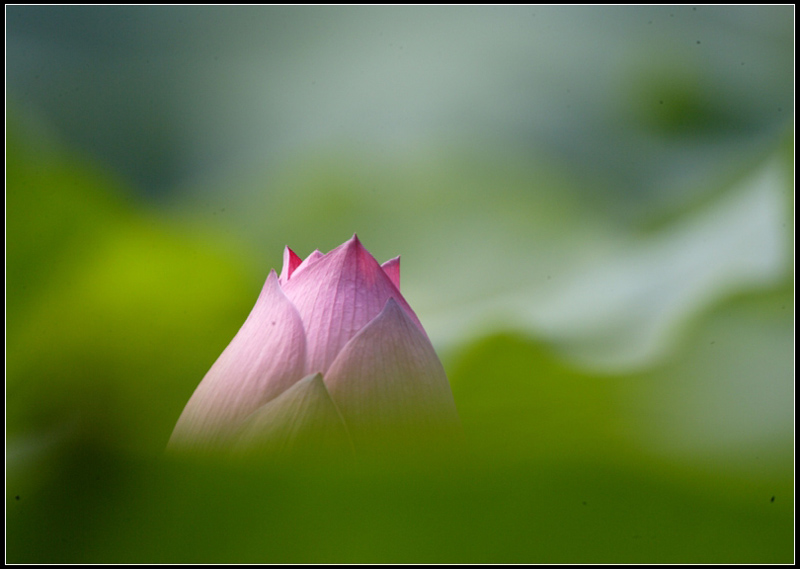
(594, 209)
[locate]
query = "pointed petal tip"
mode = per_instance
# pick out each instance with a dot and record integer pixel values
(301, 420)
(353, 246)
(392, 270)
(354, 240)
(272, 280)
(290, 263)
(313, 378)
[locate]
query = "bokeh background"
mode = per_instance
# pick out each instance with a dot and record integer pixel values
(594, 208)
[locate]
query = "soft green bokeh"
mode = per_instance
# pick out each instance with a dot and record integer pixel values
(112, 325)
(616, 320)
(103, 302)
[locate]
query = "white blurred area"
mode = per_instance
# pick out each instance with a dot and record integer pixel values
(623, 307)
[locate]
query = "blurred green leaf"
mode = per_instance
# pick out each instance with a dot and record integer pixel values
(111, 310)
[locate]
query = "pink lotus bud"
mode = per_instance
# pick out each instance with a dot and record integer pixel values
(330, 351)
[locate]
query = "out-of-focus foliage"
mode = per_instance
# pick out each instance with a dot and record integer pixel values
(596, 234)
(108, 305)
(105, 507)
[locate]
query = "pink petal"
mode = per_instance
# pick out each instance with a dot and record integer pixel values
(392, 270)
(290, 262)
(302, 419)
(265, 357)
(390, 386)
(336, 296)
(312, 258)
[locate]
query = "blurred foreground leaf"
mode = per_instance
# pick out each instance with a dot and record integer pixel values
(99, 507)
